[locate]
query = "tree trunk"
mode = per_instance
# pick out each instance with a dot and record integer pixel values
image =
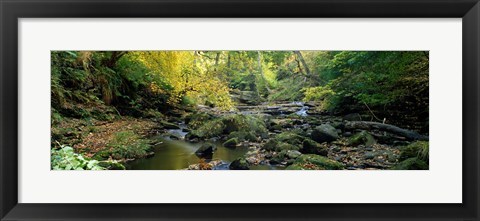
(217, 58)
(261, 71)
(367, 125)
(116, 55)
(228, 61)
(300, 56)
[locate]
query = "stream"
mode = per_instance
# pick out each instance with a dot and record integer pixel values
(174, 153)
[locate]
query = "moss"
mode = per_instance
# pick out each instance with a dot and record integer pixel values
(56, 117)
(239, 164)
(212, 128)
(290, 138)
(127, 145)
(168, 125)
(151, 113)
(278, 157)
(411, 164)
(231, 142)
(270, 145)
(276, 127)
(242, 135)
(275, 145)
(206, 150)
(248, 125)
(196, 120)
(315, 162)
(417, 149)
(300, 167)
(239, 122)
(312, 147)
(361, 138)
(286, 146)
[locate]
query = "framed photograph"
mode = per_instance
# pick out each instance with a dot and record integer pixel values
(227, 110)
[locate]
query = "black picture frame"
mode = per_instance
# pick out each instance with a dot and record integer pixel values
(12, 10)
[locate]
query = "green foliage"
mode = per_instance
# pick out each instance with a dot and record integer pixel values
(418, 149)
(317, 93)
(127, 145)
(66, 159)
(288, 89)
(323, 94)
(374, 78)
(411, 164)
(196, 120)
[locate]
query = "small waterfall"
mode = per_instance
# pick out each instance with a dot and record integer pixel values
(303, 111)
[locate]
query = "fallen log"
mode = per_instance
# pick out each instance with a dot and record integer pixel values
(367, 125)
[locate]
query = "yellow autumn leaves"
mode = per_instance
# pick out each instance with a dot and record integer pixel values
(187, 76)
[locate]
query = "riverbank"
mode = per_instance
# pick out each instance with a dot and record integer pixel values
(290, 135)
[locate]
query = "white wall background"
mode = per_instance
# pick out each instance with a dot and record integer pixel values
(441, 184)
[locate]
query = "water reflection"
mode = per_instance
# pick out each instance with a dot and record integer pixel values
(178, 154)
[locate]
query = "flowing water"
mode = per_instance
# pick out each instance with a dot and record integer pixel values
(175, 154)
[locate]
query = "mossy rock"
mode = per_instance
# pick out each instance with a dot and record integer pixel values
(196, 120)
(290, 138)
(228, 124)
(286, 146)
(239, 122)
(151, 113)
(278, 158)
(168, 125)
(270, 145)
(312, 147)
(315, 162)
(363, 138)
(231, 142)
(413, 163)
(210, 129)
(206, 150)
(276, 127)
(242, 136)
(324, 133)
(417, 149)
(239, 164)
(274, 145)
(293, 154)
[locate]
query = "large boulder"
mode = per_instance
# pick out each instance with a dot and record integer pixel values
(249, 127)
(284, 156)
(242, 136)
(363, 138)
(233, 142)
(275, 145)
(314, 162)
(239, 164)
(312, 147)
(324, 133)
(206, 150)
(293, 154)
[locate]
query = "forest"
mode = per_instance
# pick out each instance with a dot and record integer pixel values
(239, 110)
